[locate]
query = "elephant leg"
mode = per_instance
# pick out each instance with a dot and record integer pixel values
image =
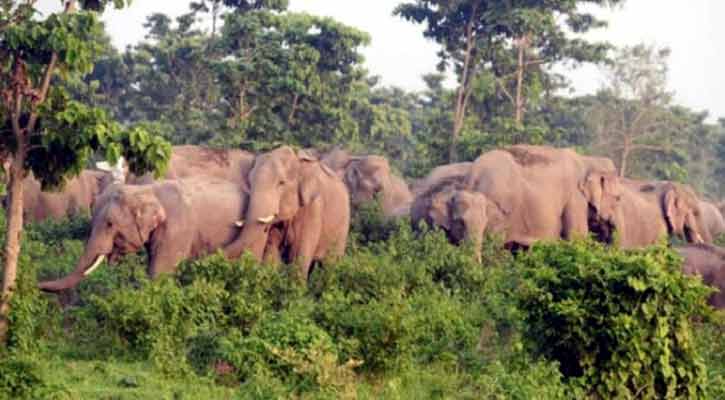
(575, 220)
(306, 231)
(273, 248)
(166, 254)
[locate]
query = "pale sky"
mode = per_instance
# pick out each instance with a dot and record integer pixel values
(693, 29)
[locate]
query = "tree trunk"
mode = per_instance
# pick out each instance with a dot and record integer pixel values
(14, 212)
(519, 106)
(460, 111)
(14, 229)
(623, 164)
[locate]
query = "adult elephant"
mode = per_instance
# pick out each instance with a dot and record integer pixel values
(370, 175)
(197, 161)
(622, 212)
(77, 196)
(708, 262)
(441, 173)
(713, 219)
(302, 201)
(642, 213)
(535, 188)
(462, 214)
(173, 220)
(679, 205)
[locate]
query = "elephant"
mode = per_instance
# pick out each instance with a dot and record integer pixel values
(535, 188)
(615, 207)
(713, 218)
(708, 262)
(642, 213)
(366, 176)
(462, 214)
(78, 195)
(441, 173)
(172, 220)
(192, 161)
(302, 202)
(679, 205)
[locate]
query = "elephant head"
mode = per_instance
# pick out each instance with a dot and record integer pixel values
(469, 217)
(462, 214)
(123, 222)
(366, 176)
(682, 211)
(603, 193)
(432, 207)
(281, 183)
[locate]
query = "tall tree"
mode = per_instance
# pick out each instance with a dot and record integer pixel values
(478, 35)
(633, 113)
(43, 131)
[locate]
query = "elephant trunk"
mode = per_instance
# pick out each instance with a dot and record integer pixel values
(89, 262)
(83, 269)
(258, 221)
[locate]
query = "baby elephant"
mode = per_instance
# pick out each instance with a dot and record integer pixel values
(461, 213)
(707, 261)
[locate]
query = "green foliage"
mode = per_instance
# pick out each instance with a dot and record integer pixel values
(54, 232)
(368, 224)
(710, 343)
(19, 379)
(617, 322)
(406, 317)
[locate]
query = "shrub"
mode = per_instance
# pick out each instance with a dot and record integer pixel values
(617, 322)
(287, 349)
(368, 224)
(52, 232)
(249, 290)
(710, 336)
(414, 298)
(19, 379)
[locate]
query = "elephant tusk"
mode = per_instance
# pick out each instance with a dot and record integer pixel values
(239, 223)
(266, 220)
(698, 239)
(95, 265)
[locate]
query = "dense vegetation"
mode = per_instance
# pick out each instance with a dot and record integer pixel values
(405, 316)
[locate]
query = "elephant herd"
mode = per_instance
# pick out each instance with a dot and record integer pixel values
(294, 206)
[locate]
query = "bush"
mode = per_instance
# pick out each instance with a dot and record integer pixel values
(413, 298)
(617, 322)
(51, 232)
(19, 379)
(368, 224)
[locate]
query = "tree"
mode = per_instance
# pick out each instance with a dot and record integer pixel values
(632, 113)
(43, 130)
(479, 36)
(289, 77)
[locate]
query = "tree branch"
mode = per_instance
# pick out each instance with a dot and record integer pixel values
(295, 101)
(505, 91)
(650, 147)
(45, 86)
(536, 62)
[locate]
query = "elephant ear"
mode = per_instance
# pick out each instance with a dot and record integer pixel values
(672, 209)
(611, 185)
(148, 212)
(306, 155)
(309, 187)
(352, 173)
